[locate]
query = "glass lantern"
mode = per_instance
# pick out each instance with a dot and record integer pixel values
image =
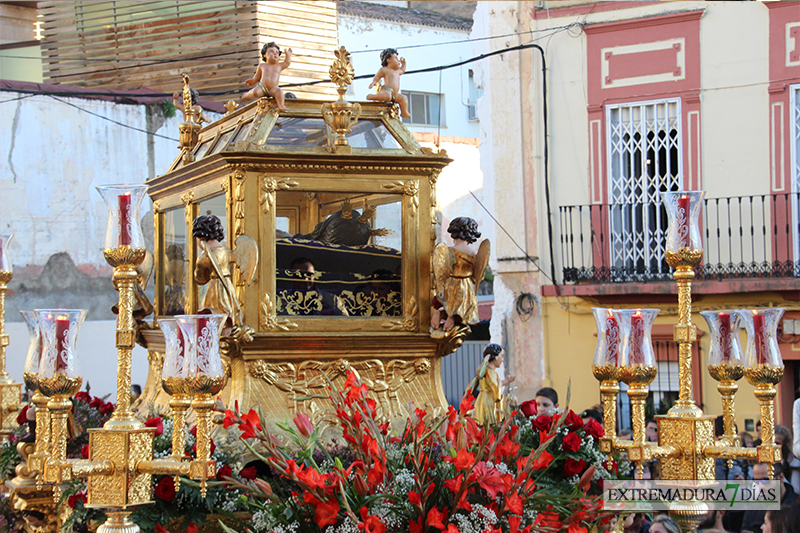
(59, 372)
(683, 212)
(6, 270)
(174, 371)
(637, 345)
(123, 203)
(609, 343)
(30, 374)
(762, 337)
(201, 333)
(724, 328)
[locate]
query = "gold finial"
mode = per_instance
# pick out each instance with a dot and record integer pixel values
(342, 70)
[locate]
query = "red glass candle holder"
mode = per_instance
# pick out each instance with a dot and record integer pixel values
(123, 202)
(762, 337)
(683, 213)
(59, 336)
(609, 338)
(637, 345)
(724, 329)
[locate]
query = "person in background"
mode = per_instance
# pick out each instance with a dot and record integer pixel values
(783, 438)
(753, 520)
(546, 401)
(136, 391)
(651, 430)
(591, 414)
(664, 524)
(746, 439)
(777, 521)
(757, 442)
(713, 523)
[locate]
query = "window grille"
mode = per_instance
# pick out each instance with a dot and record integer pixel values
(644, 158)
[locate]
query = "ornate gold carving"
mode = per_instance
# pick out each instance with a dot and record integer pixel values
(304, 384)
(238, 206)
(408, 323)
(205, 385)
(269, 185)
(187, 197)
(60, 385)
(341, 70)
(371, 304)
(410, 189)
(124, 256)
(269, 321)
(450, 341)
(685, 257)
(230, 107)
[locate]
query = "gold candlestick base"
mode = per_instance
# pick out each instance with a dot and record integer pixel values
(118, 522)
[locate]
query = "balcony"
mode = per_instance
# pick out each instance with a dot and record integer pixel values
(744, 238)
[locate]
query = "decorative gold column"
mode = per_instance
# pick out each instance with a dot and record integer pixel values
(9, 391)
(608, 376)
(764, 379)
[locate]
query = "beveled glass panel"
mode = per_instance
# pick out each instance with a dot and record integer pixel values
(174, 262)
(222, 143)
(372, 134)
(294, 131)
(342, 263)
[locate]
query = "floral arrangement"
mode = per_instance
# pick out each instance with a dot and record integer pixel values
(441, 474)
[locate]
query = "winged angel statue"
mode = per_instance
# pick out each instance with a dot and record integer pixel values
(457, 272)
(214, 267)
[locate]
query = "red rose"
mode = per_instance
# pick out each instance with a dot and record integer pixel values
(157, 423)
(75, 498)
(85, 451)
(542, 423)
(22, 417)
(594, 429)
(96, 402)
(223, 472)
(191, 528)
(573, 421)
(248, 473)
(573, 467)
(571, 442)
(165, 489)
(528, 408)
(83, 396)
(193, 431)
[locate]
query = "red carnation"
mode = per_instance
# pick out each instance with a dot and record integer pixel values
(528, 408)
(594, 429)
(573, 467)
(571, 442)
(224, 471)
(248, 473)
(157, 423)
(165, 489)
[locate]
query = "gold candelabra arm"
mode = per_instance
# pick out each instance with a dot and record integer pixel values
(203, 467)
(638, 378)
(56, 469)
(725, 449)
(164, 467)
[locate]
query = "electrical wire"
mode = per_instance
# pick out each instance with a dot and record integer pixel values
(112, 120)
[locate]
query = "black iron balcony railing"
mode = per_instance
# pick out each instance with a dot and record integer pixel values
(743, 237)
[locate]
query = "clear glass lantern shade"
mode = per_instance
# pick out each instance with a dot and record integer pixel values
(5, 262)
(683, 212)
(174, 354)
(725, 346)
(609, 338)
(201, 335)
(59, 337)
(637, 344)
(762, 337)
(123, 203)
(30, 372)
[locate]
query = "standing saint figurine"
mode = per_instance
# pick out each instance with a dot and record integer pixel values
(214, 266)
(389, 91)
(268, 74)
(457, 272)
(489, 408)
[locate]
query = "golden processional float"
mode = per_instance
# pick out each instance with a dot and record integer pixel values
(328, 214)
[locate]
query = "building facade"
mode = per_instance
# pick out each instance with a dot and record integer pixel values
(641, 98)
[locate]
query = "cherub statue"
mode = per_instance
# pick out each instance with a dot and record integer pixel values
(268, 74)
(214, 266)
(389, 91)
(457, 272)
